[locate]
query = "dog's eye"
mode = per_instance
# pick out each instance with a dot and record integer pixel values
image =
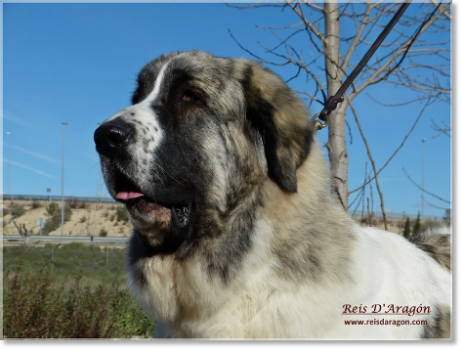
(189, 96)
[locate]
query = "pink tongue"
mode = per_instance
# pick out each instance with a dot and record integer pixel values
(125, 195)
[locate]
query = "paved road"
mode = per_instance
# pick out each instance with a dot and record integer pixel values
(99, 240)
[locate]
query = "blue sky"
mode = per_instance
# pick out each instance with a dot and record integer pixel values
(78, 63)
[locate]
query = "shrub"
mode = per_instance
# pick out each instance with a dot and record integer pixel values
(103, 232)
(51, 208)
(121, 214)
(407, 231)
(82, 219)
(36, 204)
(17, 210)
(131, 320)
(54, 222)
(447, 218)
(417, 226)
(35, 308)
(400, 224)
(51, 224)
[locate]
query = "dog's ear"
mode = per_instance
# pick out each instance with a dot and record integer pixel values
(282, 121)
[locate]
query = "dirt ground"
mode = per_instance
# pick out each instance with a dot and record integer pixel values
(87, 219)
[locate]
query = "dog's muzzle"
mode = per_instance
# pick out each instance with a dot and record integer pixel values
(113, 140)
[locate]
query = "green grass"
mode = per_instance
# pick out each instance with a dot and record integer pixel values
(69, 291)
(70, 260)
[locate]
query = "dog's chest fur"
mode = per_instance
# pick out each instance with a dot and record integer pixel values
(262, 304)
(296, 277)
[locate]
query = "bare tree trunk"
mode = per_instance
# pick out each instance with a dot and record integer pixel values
(337, 135)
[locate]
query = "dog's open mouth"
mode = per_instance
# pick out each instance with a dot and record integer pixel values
(143, 208)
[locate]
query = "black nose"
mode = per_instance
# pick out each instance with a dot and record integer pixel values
(112, 137)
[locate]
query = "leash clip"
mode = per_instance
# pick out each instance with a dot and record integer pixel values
(318, 125)
(331, 105)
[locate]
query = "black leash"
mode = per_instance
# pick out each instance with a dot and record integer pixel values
(333, 101)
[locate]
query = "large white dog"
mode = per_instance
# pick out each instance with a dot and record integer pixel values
(235, 234)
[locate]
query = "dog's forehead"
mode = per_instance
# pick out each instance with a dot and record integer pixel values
(194, 63)
(216, 77)
(198, 66)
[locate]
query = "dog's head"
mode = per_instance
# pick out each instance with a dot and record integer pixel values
(202, 135)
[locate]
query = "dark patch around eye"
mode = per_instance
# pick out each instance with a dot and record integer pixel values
(189, 96)
(183, 90)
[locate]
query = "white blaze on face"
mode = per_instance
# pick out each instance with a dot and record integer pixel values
(147, 130)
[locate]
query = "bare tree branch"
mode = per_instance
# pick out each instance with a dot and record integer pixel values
(372, 161)
(398, 148)
(309, 26)
(386, 69)
(444, 129)
(433, 205)
(357, 37)
(421, 98)
(427, 192)
(446, 14)
(315, 7)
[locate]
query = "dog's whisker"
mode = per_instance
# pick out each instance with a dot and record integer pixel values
(155, 173)
(168, 174)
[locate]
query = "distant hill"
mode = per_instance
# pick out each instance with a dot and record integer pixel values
(84, 218)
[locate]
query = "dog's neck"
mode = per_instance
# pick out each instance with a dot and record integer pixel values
(313, 180)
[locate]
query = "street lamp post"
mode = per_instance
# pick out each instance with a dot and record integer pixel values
(8, 166)
(62, 176)
(422, 177)
(98, 180)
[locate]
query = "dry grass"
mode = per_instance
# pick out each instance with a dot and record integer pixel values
(44, 299)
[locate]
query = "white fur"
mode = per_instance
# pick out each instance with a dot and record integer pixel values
(386, 269)
(143, 113)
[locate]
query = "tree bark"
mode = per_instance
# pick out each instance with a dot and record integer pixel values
(336, 124)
